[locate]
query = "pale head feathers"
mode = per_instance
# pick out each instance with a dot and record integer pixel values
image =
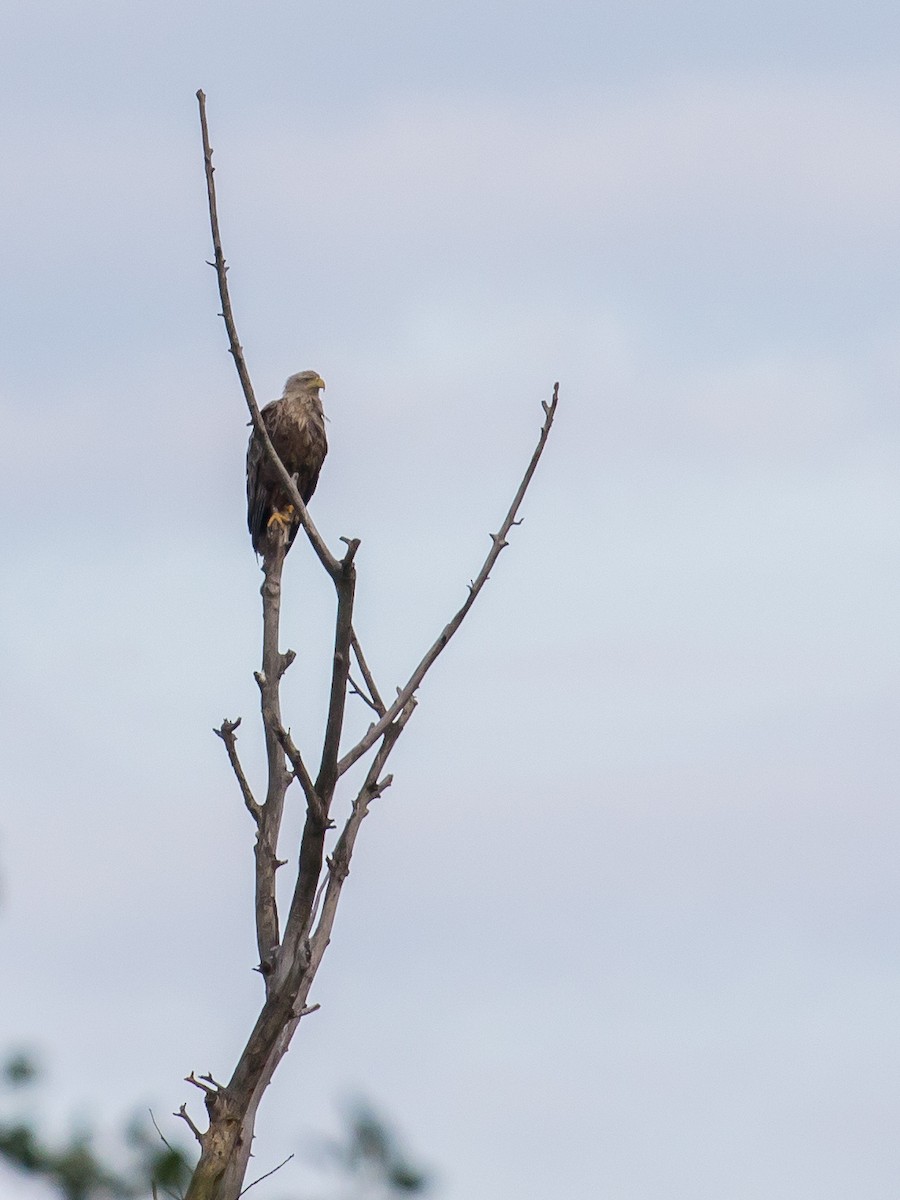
(305, 381)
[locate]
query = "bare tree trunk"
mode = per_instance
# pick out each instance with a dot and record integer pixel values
(289, 956)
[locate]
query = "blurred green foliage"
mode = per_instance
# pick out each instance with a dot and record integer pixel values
(367, 1157)
(72, 1167)
(370, 1158)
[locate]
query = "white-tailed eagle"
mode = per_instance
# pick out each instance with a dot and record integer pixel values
(296, 425)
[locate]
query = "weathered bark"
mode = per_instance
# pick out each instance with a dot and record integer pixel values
(274, 664)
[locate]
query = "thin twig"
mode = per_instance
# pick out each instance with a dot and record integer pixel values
(266, 1176)
(356, 690)
(369, 678)
(160, 1132)
(226, 732)
(296, 761)
(498, 542)
(205, 1083)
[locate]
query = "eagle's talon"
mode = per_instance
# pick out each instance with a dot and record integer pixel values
(284, 518)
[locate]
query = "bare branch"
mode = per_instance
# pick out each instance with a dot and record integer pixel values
(498, 541)
(339, 863)
(160, 1132)
(184, 1115)
(327, 559)
(227, 732)
(300, 771)
(312, 842)
(356, 690)
(343, 634)
(205, 1083)
(377, 703)
(382, 786)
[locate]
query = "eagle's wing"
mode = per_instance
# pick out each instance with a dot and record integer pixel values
(312, 446)
(261, 485)
(297, 429)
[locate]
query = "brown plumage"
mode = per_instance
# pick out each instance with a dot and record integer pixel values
(296, 425)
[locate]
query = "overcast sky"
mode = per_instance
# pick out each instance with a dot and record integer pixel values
(626, 925)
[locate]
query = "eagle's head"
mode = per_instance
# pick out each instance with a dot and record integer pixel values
(306, 381)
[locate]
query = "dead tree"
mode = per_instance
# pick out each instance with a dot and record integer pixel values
(291, 950)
